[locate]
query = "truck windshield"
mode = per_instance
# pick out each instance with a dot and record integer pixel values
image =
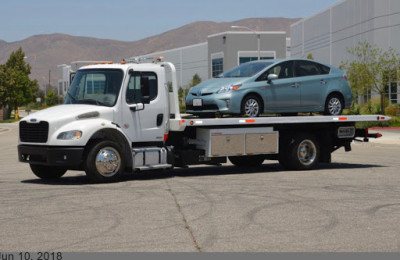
(245, 70)
(95, 86)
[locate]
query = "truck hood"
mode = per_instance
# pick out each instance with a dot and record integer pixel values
(213, 85)
(62, 114)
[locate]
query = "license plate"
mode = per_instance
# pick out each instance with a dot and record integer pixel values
(197, 102)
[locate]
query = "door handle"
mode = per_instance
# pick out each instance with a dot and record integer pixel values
(295, 85)
(160, 118)
(323, 81)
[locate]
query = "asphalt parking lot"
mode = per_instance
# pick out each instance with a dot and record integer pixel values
(351, 205)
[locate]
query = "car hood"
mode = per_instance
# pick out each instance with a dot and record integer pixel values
(212, 85)
(68, 113)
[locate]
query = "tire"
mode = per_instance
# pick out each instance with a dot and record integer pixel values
(47, 172)
(247, 161)
(104, 162)
(301, 153)
(334, 105)
(251, 106)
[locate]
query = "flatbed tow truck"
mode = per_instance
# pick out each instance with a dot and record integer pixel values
(120, 118)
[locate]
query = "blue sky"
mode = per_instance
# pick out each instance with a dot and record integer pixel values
(131, 20)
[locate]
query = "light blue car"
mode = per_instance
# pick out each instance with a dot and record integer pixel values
(286, 87)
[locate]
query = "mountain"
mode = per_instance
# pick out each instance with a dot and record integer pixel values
(45, 52)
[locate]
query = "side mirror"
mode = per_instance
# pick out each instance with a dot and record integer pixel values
(145, 99)
(272, 77)
(136, 107)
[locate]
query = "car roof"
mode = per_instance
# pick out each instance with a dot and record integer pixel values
(288, 59)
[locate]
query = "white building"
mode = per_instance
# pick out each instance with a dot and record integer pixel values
(327, 34)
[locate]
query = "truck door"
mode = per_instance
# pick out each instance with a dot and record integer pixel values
(144, 112)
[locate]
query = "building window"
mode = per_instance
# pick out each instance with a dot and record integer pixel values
(391, 92)
(217, 66)
(248, 59)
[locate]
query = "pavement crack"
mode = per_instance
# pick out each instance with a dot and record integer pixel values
(186, 223)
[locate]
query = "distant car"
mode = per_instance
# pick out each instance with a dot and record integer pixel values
(288, 86)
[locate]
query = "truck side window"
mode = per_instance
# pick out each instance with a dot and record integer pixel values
(141, 84)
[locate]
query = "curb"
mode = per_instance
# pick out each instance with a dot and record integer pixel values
(385, 128)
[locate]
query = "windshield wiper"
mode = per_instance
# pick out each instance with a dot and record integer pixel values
(91, 101)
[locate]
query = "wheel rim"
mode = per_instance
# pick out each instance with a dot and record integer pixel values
(334, 106)
(251, 107)
(307, 152)
(108, 161)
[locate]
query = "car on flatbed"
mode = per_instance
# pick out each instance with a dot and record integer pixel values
(287, 86)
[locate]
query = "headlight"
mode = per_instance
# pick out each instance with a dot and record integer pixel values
(70, 135)
(227, 89)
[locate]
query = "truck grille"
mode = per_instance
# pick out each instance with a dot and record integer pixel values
(33, 133)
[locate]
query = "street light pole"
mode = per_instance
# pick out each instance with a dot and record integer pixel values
(258, 37)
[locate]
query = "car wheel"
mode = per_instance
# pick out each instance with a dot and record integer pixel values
(47, 172)
(252, 106)
(105, 162)
(334, 105)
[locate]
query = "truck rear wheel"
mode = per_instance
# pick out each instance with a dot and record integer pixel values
(47, 172)
(105, 162)
(247, 161)
(301, 153)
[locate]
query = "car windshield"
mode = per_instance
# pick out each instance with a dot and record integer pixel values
(245, 70)
(95, 87)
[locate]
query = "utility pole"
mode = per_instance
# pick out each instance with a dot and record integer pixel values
(45, 89)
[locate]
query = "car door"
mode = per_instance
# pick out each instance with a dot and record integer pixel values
(144, 110)
(312, 82)
(281, 94)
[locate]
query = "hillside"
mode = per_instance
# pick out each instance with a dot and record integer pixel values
(45, 52)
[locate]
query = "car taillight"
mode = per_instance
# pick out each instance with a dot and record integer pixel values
(345, 77)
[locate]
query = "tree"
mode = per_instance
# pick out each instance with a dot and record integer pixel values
(52, 98)
(16, 88)
(195, 80)
(310, 57)
(371, 69)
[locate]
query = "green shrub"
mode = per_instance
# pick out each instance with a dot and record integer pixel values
(393, 110)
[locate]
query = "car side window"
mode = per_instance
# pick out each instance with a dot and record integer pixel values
(141, 84)
(308, 68)
(283, 70)
(325, 69)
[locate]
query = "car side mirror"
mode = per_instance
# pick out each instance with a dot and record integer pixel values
(272, 77)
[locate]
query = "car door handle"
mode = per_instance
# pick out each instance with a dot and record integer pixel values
(323, 81)
(295, 85)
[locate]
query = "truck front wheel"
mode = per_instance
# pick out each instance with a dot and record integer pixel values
(104, 162)
(301, 153)
(47, 172)
(247, 161)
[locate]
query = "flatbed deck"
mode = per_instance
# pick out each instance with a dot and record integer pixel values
(190, 121)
